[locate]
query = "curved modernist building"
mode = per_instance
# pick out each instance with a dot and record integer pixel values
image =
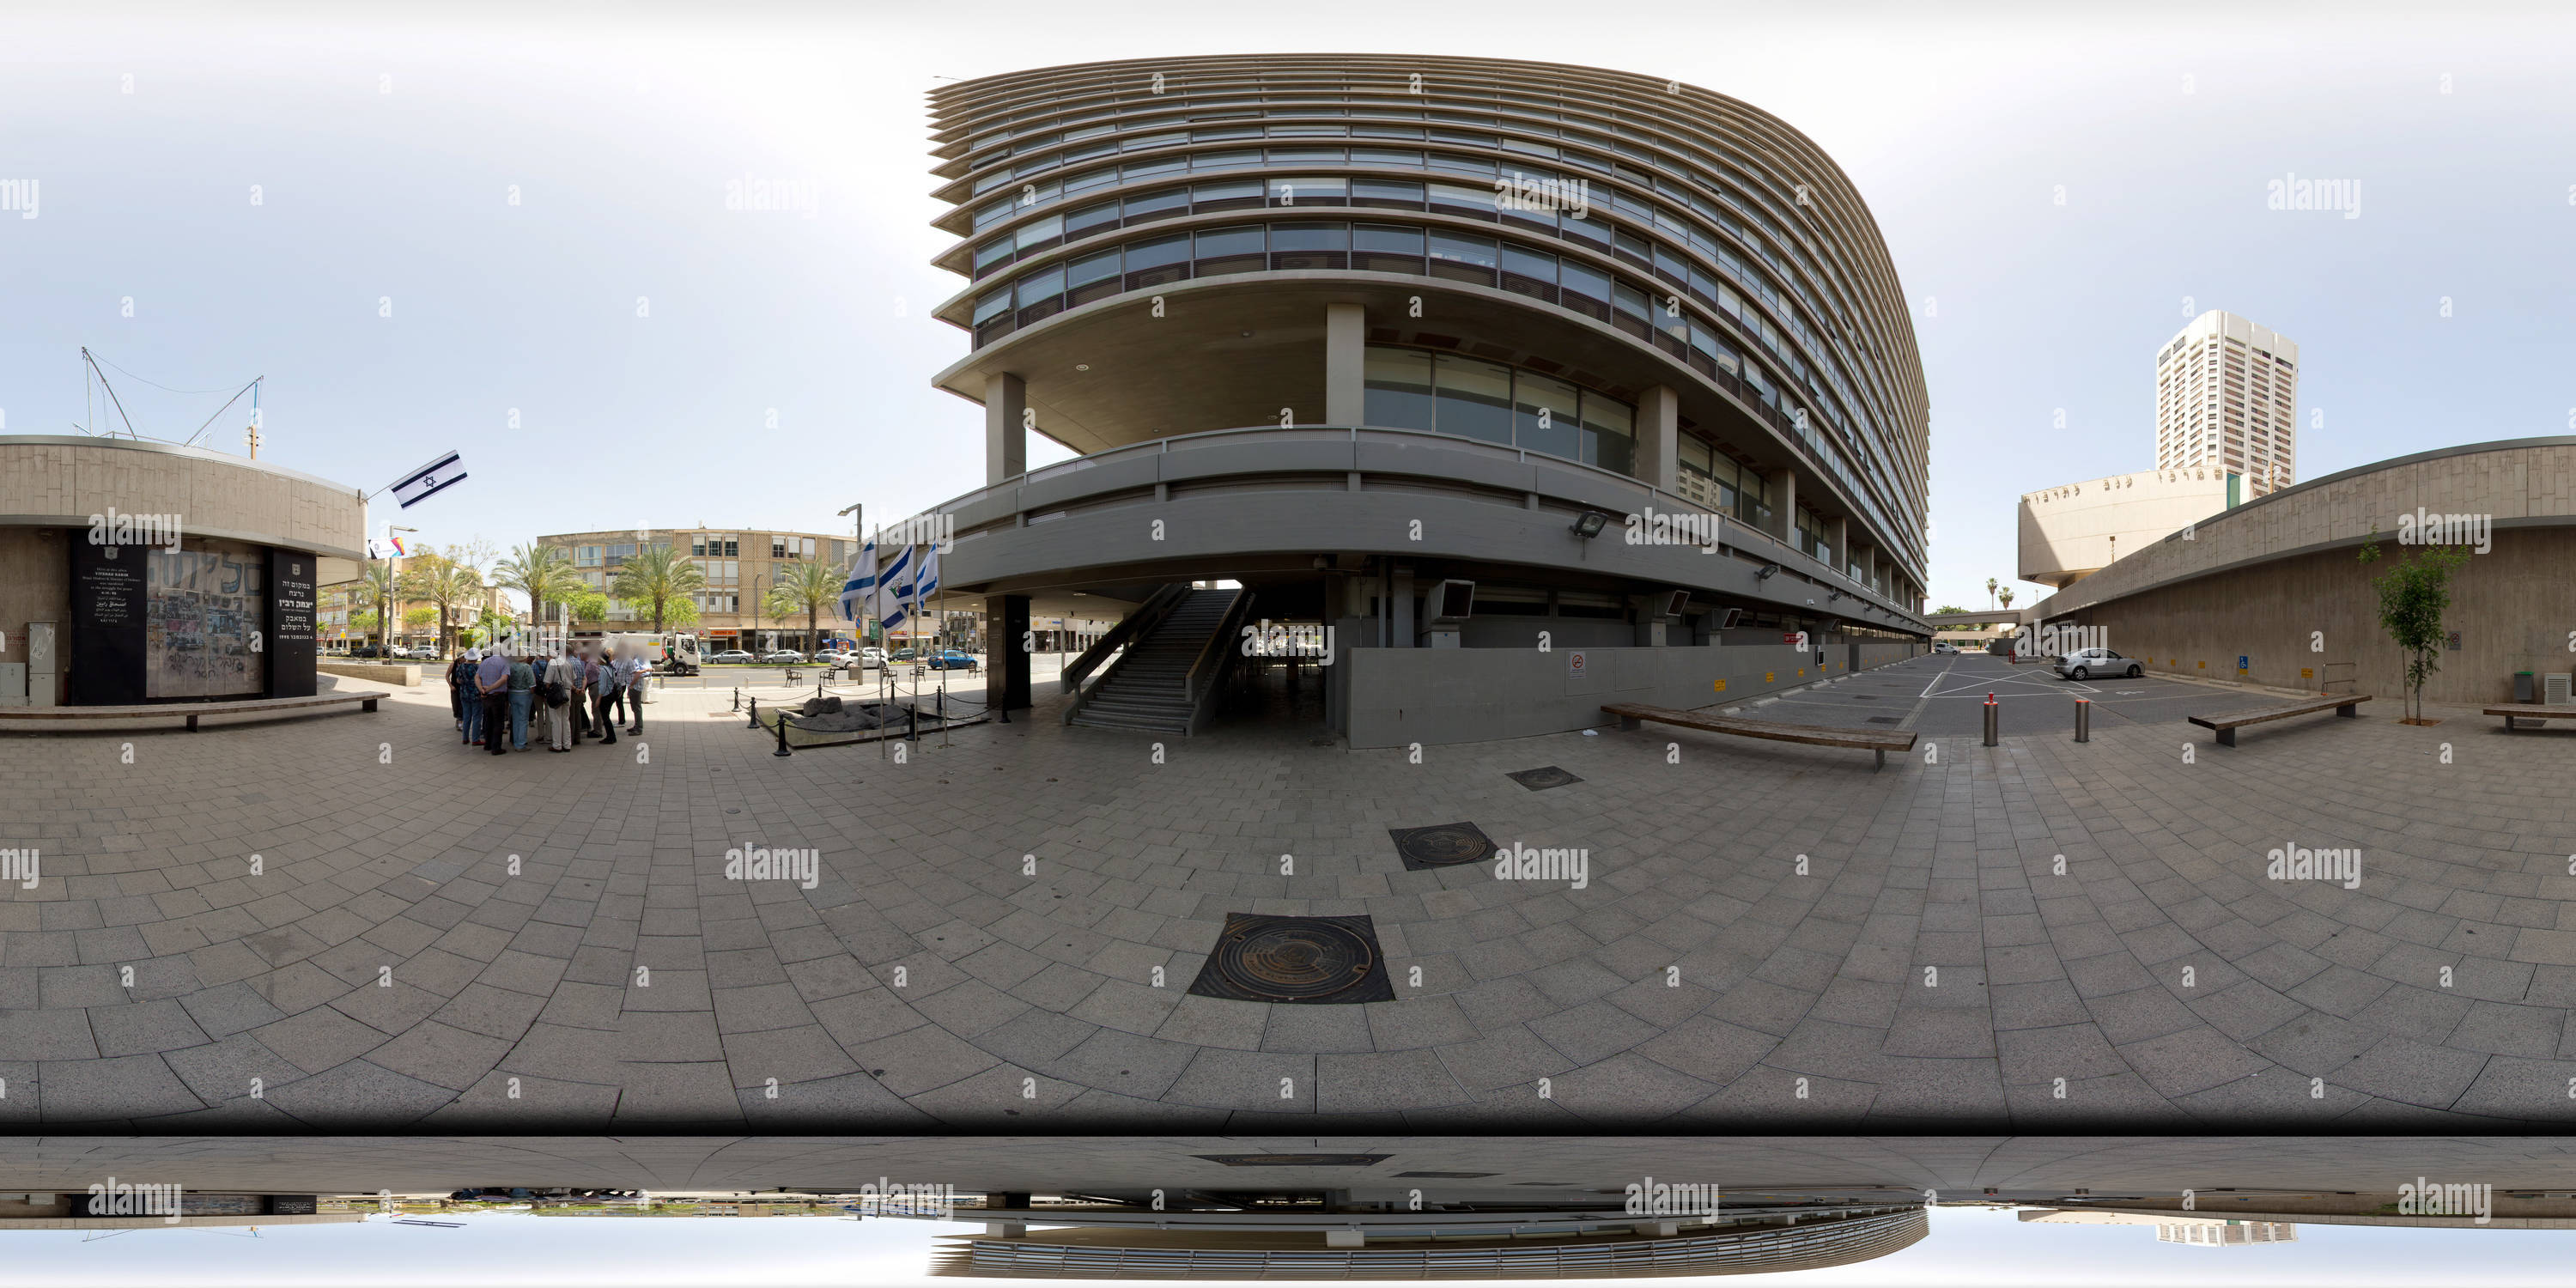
(1357, 331)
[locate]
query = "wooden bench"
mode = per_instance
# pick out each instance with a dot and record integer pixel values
(192, 710)
(2531, 711)
(2226, 726)
(1877, 742)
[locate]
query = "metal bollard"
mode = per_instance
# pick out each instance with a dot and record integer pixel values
(755, 712)
(737, 697)
(782, 737)
(2084, 720)
(1990, 720)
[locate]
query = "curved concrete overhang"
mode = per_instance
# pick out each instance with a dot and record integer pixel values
(1124, 399)
(2520, 482)
(62, 480)
(1243, 501)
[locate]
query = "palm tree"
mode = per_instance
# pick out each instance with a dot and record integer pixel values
(1990, 591)
(540, 573)
(657, 577)
(805, 586)
(2006, 595)
(447, 584)
(385, 586)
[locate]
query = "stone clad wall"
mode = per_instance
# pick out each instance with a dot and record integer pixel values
(52, 481)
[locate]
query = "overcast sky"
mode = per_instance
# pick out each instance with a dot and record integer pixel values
(648, 339)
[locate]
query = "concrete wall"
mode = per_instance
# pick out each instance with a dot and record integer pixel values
(35, 586)
(2073, 530)
(407, 675)
(55, 480)
(1444, 695)
(2515, 609)
(2258, 580)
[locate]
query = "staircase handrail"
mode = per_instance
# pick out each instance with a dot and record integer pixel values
(1201, 680)
(1147, 615)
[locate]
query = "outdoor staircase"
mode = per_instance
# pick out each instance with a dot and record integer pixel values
(1149, 689)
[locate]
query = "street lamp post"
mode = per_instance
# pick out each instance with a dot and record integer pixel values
(859, 545)
(385, 607)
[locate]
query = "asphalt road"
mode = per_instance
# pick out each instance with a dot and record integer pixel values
(1943, 695)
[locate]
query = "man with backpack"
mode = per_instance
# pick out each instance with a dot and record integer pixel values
(563, 699)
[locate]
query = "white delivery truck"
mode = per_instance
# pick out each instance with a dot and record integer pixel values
(672, 653)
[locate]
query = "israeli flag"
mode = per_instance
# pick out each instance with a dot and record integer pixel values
(927, 583)
(894, 587)
(429, 480)
(860, 590)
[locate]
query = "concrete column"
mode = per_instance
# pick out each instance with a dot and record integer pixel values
(1400, 608)
(1838, 531)
(1345, 364)
(1659, 430)
(1006, 443)
(1782, 483)
(1008, 617)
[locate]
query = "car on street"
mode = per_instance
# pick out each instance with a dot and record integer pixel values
(952, 660)
(835, 657)
(907, 655)
(872, 656)
(2085, 663)
(782, 657)
(1944, 646)
(731, 656)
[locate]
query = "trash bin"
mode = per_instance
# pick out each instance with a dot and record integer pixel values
(2522, 690)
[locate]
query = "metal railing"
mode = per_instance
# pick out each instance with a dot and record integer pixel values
(1735, 533)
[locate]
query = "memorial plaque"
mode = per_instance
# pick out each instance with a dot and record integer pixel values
(290, 624)
(104, 659)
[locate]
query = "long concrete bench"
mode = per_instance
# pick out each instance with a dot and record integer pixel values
(192, 710)
(2531, 711)
(2226, 726)
(1876, 741)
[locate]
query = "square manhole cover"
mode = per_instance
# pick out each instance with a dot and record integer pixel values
(1443, 846)
(1317, 960)
(1542, 778)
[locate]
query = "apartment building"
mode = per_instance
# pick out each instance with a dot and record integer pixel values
(2227, 399)
(740, 565)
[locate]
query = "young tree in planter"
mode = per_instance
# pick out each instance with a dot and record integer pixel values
(2413, 596)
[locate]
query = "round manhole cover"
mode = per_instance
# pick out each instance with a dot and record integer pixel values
(1294, 959)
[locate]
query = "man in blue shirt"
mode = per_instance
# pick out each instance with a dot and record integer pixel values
(492, 681)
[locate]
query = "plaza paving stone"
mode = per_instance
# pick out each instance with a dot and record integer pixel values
(1931, 969)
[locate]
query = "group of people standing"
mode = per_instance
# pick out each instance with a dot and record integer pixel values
(578, 695)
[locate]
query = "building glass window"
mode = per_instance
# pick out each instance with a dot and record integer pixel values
(1544, 416)
(1473, 398)
(1609, 434)
(1399, 385)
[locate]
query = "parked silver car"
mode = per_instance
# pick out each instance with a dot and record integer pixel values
(2085, 663)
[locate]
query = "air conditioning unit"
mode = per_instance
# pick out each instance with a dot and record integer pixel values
(2556, 691)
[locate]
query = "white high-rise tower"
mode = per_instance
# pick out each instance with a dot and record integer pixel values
(2227, 397)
